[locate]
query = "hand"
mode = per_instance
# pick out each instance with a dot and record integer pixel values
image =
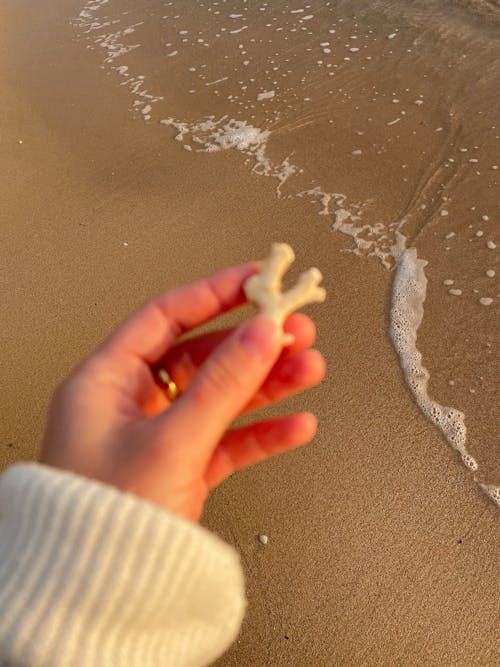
(112, 422)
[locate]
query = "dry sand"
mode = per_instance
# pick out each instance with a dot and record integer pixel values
(381, 550)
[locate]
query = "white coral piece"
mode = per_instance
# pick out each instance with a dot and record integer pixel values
(264, 288)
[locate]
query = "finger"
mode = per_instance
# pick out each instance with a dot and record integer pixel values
(150, 332)
(183, 360)
(251, 444)
(222, 387)
(289, 376)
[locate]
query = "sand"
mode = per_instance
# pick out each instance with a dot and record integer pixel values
(381, 549)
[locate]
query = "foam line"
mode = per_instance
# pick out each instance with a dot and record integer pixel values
(408, 296)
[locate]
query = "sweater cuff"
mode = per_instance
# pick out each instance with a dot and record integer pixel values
(92, 576)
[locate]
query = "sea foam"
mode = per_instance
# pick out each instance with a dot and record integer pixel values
(210, 136)
(408, 296)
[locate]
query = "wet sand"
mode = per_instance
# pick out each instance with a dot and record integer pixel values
(381, 549)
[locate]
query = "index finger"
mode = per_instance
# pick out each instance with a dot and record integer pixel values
(151, 331)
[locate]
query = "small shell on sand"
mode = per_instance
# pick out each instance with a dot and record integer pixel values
(262, 538)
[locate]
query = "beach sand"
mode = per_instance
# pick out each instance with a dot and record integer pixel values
(381, 548)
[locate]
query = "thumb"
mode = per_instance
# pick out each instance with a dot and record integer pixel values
(224, 384)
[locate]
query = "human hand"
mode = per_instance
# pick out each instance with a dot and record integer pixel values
(112, 422)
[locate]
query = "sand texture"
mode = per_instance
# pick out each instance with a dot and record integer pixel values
(382, 549)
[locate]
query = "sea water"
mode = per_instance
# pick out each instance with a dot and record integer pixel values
(403, 93)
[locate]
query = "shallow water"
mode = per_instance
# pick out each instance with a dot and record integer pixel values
(385, 117)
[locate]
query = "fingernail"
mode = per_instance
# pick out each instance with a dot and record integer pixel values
(258, 337)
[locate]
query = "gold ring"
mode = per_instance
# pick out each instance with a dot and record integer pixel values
(169, 387)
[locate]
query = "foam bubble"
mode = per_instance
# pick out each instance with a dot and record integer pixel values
(492, 491)
(265, 95)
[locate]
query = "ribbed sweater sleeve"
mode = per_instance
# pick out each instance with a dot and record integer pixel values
(90, 576)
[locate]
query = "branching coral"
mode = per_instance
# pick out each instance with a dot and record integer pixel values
(264, 288)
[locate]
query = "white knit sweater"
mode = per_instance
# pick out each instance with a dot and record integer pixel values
(90, 576)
